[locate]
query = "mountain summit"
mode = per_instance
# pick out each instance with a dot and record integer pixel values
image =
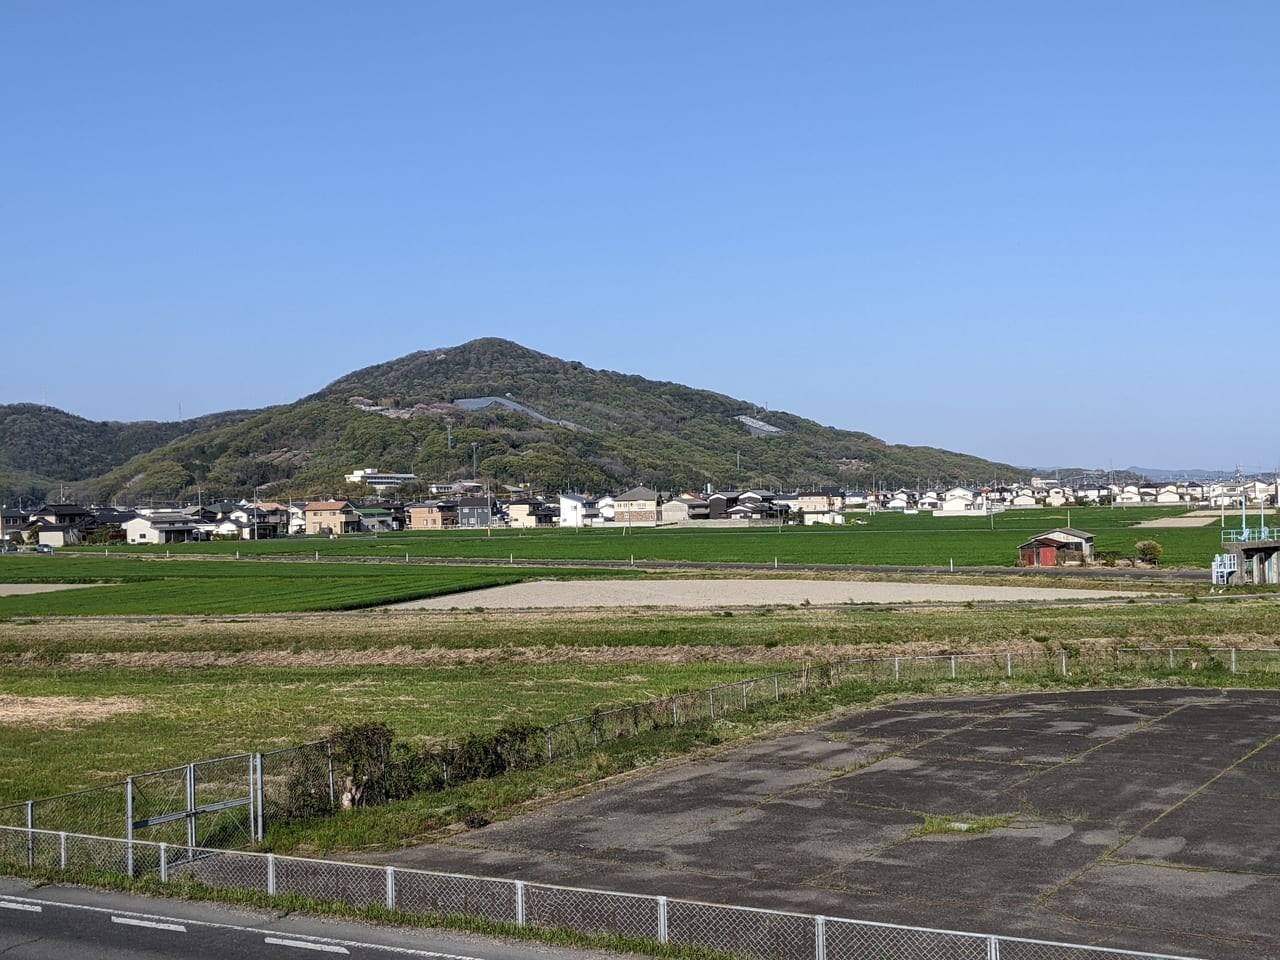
(521, 417)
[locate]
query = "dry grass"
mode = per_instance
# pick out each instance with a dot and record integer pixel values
(62, 713)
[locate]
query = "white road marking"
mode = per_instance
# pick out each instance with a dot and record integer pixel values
(10, 905)
(153, 924)
(34, 904)
(307, 945)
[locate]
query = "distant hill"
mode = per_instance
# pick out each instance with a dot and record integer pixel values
(41, 447)
(559, 425)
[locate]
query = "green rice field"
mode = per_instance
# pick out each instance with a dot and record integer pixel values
(886, 539)
(190, 586)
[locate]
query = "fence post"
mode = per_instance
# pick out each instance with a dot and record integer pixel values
(712, 695)
(391, 888)
(953, 666)
(1008, 664)
(1233, 659)
(777, 693)
(128, 825)
(519, 903)
(333, 796)
(164, 863)
(675, 713)
(993, 948)
(549, 756)
(1171, 658)
(271, 874)
(819, 938)
(31, 837)
(744, 694)
(191, 805)
(662, 919)
(1064, 663)
(262, 796)
(897, 668)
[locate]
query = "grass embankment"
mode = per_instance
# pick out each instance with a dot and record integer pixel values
(130, 586)
(888, 539)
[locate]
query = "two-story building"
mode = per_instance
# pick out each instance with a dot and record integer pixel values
(637, 505)
(331, 517)
(432, 515)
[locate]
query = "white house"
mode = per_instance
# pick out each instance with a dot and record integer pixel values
(578, 511)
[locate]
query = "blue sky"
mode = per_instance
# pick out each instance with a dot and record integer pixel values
(1044, 234)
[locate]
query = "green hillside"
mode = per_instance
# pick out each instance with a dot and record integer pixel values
(42, 447)
(612, 430)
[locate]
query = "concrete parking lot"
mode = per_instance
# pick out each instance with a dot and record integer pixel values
(1141, 819)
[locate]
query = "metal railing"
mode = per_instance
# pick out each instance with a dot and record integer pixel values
(748, 932)
(1250, 534)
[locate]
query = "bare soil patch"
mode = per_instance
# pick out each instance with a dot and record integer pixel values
(62, 712)
(717, 594)
(22, 589)
(1190, 520)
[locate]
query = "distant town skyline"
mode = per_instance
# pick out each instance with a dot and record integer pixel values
(1043, 236)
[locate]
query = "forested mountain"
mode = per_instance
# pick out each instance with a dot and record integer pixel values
(602, 431)
(41, 447)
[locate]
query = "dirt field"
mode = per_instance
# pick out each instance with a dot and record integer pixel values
(1191, 520)
(21, 589)
(714, 594)
(1130, 819)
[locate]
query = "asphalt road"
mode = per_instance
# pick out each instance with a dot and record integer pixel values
(54, 923)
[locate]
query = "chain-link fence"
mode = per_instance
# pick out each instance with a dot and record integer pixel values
(223, 802)
(747, 932)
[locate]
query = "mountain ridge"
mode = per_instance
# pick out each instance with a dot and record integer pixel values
(610, 430)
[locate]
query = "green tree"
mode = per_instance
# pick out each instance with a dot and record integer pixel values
(1149, 551)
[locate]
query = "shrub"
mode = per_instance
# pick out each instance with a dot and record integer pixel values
(1148, 551)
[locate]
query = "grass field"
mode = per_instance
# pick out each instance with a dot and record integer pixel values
(888, 539)
(91, 701)
(195, 587)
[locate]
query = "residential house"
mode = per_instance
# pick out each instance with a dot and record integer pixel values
(374, 519)
(684, 508)
(529, 513)
(637, 505)
(578, 511)
(161, 528)
(12, 522)
(64, 514)
(432, 515)
(720, 503)
(259, 523)
(332, 517)
(476, 512)
(814, 501)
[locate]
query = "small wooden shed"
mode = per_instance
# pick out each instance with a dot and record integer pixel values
(1056, 548)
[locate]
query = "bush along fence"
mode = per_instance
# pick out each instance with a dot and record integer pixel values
(232, 801)
(746, 932)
